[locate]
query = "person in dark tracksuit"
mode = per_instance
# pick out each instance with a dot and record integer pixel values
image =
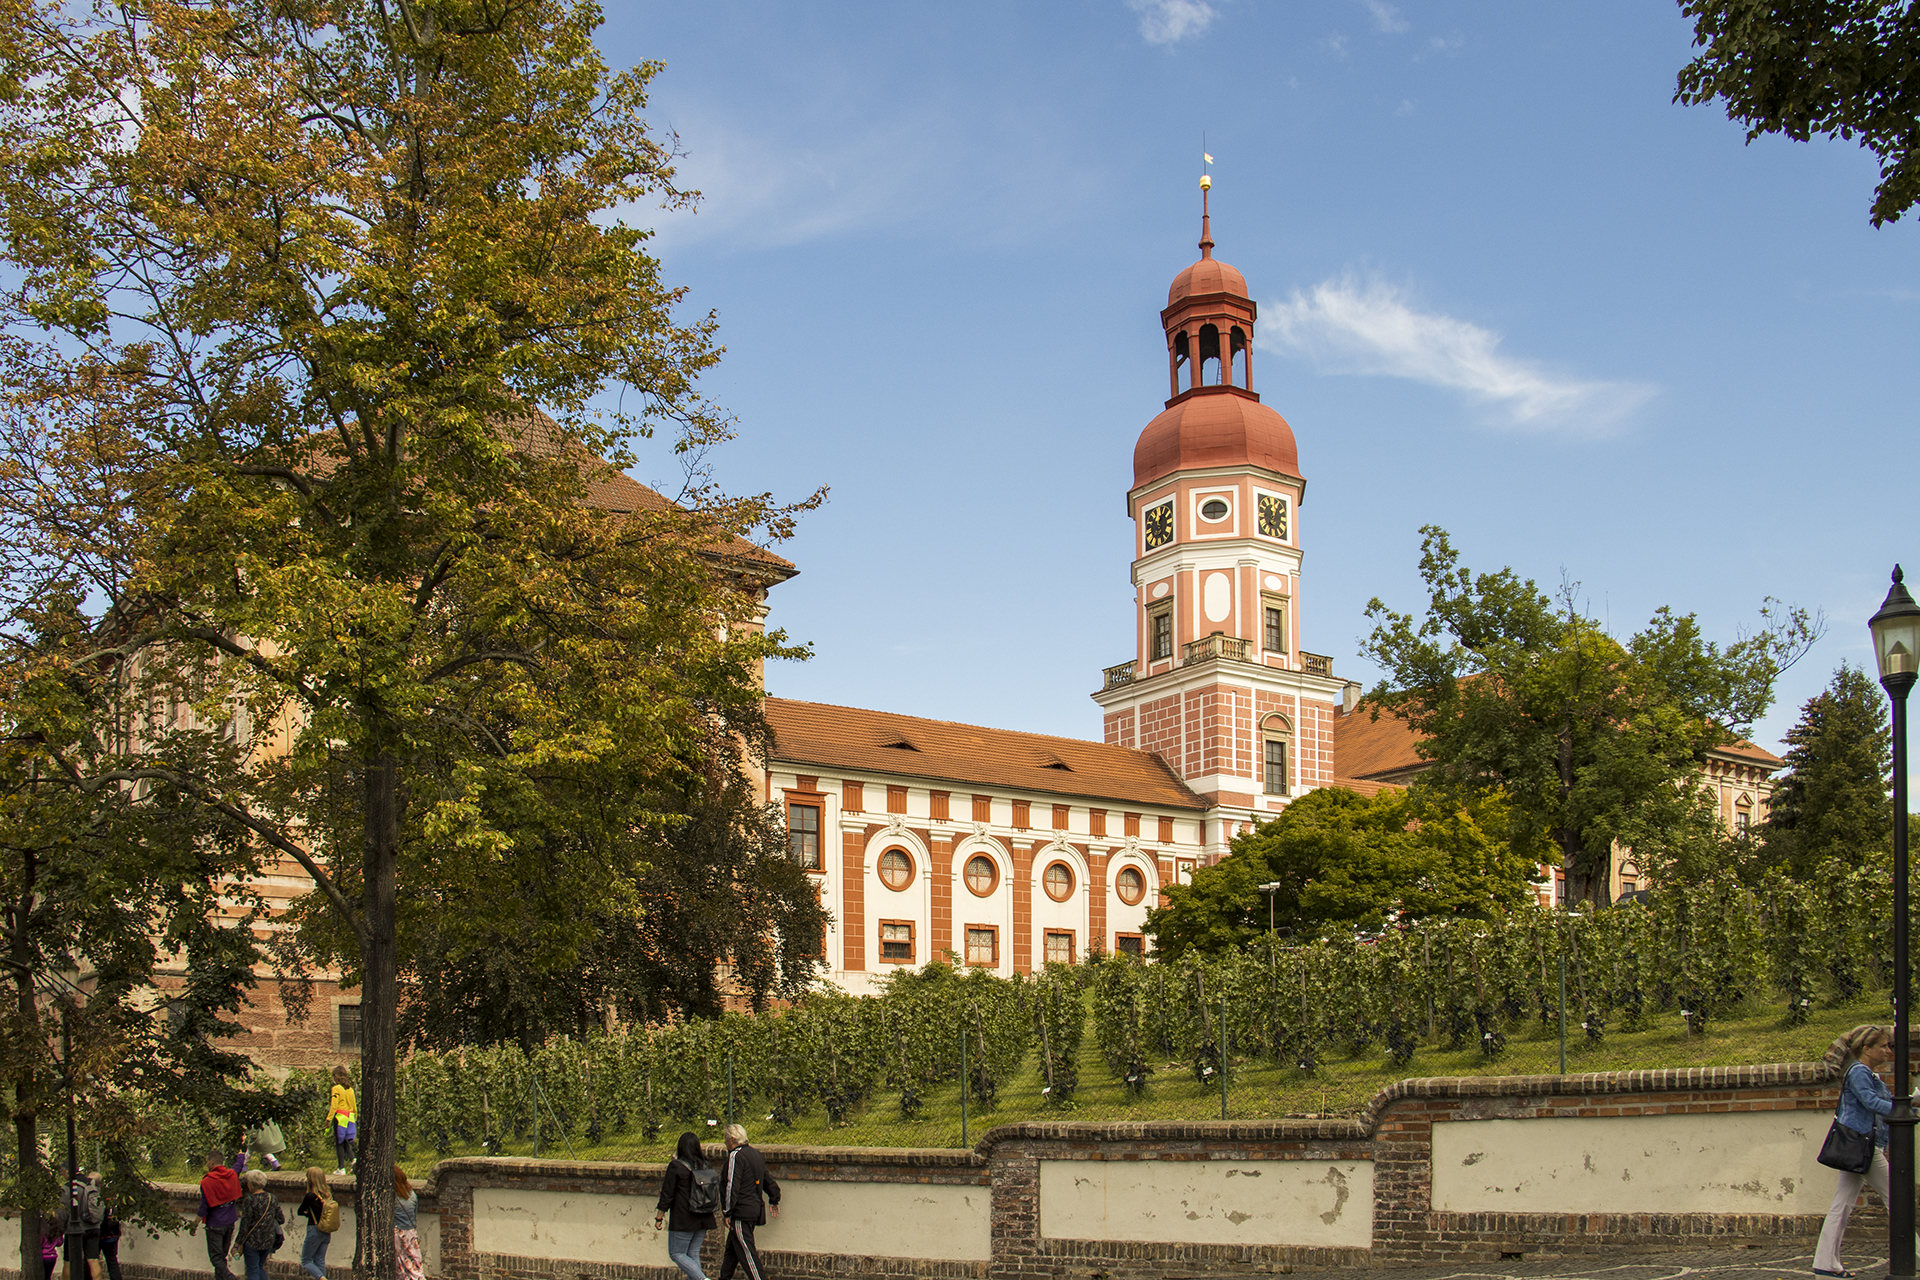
(743, 1179)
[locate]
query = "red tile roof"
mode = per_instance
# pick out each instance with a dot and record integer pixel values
(1364, 747)
(822, 736)
(1750, 753)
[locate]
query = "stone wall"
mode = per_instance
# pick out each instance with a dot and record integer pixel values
(1448, 1170)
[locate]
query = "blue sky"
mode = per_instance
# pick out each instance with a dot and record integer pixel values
(1507, 286)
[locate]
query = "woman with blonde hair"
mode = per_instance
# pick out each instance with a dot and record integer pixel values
(1865, 1102)
(407, 1261)
(321, 1224)
(342, 1116)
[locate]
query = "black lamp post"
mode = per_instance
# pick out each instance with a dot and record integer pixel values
(1896, 650)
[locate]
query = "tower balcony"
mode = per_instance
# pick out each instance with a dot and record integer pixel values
(1217, 645)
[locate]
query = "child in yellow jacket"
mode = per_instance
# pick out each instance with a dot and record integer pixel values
(341, 1114)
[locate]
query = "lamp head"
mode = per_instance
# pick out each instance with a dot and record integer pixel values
(1896, 638)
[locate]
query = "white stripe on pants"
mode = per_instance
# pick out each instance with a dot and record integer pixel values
(1834, 1232)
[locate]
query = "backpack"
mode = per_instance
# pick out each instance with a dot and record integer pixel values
(87, 1206)
(329, 1220)
(703, 1190)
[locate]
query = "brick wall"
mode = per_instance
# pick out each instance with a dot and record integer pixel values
(1620, 1161)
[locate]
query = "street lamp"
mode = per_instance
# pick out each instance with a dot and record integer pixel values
(1270, 888)
(1896, 650)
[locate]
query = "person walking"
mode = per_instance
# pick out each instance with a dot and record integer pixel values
(52, 1231)
(87, 1209)
(220, 1208)
(743, 1180)
(687, 1204)
(323, 1219)
(343, 1118)
(109, 1233)
(1865, 1102)
(262, 1224)
(267, 1142)
(408, 1263)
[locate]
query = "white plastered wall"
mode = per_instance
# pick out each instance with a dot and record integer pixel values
(1308, 1203)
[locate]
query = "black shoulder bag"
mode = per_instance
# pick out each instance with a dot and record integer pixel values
(1845, 1149)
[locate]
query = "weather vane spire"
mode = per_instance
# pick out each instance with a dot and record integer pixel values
(1206, 187)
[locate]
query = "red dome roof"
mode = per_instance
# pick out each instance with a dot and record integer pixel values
(1215, 429)
(1209, 275)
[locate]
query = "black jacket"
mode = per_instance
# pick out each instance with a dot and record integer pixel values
(743, 1179)
(674, 1185)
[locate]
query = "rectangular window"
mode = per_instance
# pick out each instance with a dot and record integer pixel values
(349, 1036)
(1097, 822)
(1060, 812)
(1166, 831)
(983, 944)
(803, 834)
(896, 942)
(983, 808)
(1023, 814)
(1160, 634)
(1132, 824)
(1130, 944)
(1059, 947)
(853, 797)
(1274, 626)
(1628, 886)
(1741, 822)
(1275, 767)
(896, 799)
(937, 804)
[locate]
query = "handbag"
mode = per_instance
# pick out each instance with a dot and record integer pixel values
(1847, 1150)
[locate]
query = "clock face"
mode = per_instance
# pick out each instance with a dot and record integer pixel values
(1273, 516)
(1159, 525)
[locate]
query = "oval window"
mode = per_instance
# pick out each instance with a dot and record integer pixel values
(1130, 885)
(1058, 881)
(896, 869)
(982, 874)
(1213, 509)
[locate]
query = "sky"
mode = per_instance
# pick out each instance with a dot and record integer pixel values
(1506, 286)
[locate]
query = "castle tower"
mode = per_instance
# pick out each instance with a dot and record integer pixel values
(1219, 684)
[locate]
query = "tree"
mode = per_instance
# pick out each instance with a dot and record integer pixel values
(1345, 860)
(1592, 742)
(304, 271)
(100, 887)
(1842, 68)
(717, 882)
(1832, 801)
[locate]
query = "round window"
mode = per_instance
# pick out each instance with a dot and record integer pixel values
(1058, 881)
(896, 869)
(1213, 509)
(1130, 885)
(982, 874)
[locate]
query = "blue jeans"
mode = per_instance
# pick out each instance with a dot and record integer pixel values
(256, 1261)
(684, 1248)
(313, 1254)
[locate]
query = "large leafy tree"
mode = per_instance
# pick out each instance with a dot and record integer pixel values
(1593, 742)
(1341, 859)
(1832, 801)
(1842, 68)
(288, 279)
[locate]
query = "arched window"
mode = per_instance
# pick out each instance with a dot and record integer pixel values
(1130, 885)
(982, 874)
(1242, 359)
(1209, 355)
(1058, 881)
(896, 869)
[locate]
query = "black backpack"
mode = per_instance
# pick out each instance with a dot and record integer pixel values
(703, 1190)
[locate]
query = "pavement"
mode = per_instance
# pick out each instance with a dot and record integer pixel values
(1789, 1262)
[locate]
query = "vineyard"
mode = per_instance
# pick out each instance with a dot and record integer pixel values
(1274, 1020)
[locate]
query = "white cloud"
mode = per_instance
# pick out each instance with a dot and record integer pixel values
(1385, 17)
(1171, 21)
(1345, 327)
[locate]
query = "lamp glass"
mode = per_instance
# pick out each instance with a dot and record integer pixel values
(1896, 637)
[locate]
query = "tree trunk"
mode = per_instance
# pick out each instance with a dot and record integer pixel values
(26, 1086)
(373, 1254)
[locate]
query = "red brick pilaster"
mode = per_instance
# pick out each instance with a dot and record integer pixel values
(853, 900)
(1097, 938)
(1020, 858)
(940, 868)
